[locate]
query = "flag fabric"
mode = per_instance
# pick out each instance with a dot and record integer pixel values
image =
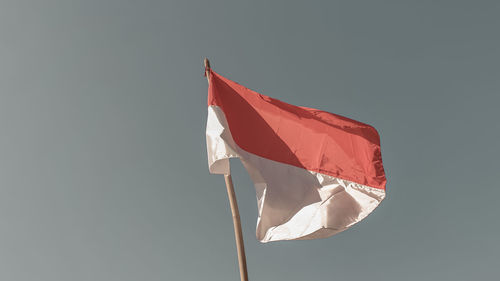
(315, 173)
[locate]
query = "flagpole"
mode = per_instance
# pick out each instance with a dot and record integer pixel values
(242, 261)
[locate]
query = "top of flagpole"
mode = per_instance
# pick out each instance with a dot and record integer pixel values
(206, 62)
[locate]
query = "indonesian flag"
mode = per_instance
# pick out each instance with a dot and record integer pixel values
(315, 173)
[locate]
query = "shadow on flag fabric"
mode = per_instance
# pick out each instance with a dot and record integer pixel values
(315, 173)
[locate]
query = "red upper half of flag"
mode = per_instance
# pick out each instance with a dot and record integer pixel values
(304, 137)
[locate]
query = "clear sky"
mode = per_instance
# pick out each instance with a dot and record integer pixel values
(103, 167)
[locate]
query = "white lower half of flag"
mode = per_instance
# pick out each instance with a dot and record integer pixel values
(293, 203)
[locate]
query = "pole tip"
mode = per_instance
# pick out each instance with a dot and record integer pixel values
(206, 62)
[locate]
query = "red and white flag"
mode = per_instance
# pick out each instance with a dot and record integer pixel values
(315, 173)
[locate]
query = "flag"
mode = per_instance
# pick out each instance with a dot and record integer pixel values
(315, 173)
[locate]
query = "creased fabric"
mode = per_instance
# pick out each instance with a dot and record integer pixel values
(315, 173)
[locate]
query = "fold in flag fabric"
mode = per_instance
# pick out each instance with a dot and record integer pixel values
(315, 173)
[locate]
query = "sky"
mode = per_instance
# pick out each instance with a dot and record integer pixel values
(103, 167)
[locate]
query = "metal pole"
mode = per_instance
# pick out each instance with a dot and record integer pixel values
(240, 246)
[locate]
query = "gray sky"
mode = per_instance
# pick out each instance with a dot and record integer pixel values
(103, 169)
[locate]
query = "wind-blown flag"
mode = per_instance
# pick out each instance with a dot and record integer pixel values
(315, 173)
